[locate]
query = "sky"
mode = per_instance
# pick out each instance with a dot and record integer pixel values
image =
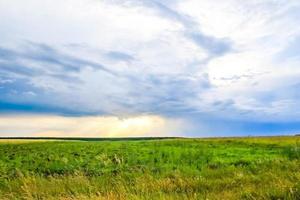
(125, 68)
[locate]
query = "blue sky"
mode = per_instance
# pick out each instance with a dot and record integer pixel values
(177, 68)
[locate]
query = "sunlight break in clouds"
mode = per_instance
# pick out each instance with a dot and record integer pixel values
(56, 126)
(227, 66)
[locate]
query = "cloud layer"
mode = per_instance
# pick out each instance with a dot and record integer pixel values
(59, 126)
(231, 63)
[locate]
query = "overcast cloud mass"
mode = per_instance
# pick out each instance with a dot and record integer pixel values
(188, 68)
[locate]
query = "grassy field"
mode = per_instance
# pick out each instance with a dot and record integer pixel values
(224, 168)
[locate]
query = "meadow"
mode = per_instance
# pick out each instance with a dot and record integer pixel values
(175, 168)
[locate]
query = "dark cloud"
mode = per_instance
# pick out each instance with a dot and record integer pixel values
(16, 107)
(19, 95)
(218, 127)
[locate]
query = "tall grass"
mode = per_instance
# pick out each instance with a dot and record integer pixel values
(236, 168)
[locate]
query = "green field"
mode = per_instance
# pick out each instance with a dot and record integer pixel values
(224, 168)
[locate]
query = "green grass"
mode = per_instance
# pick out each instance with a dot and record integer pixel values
(224, 168)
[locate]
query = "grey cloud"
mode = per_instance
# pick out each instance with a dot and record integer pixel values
(14, 89)
(19, 69)
(7, 54)
(19, 95)
(139, 93)
(47, 58)
(119, 56)
(67, 78)
(214, 46)
(46, 53)
(166, 95)
(224, 104)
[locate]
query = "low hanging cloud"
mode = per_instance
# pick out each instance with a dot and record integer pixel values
(106, 126)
